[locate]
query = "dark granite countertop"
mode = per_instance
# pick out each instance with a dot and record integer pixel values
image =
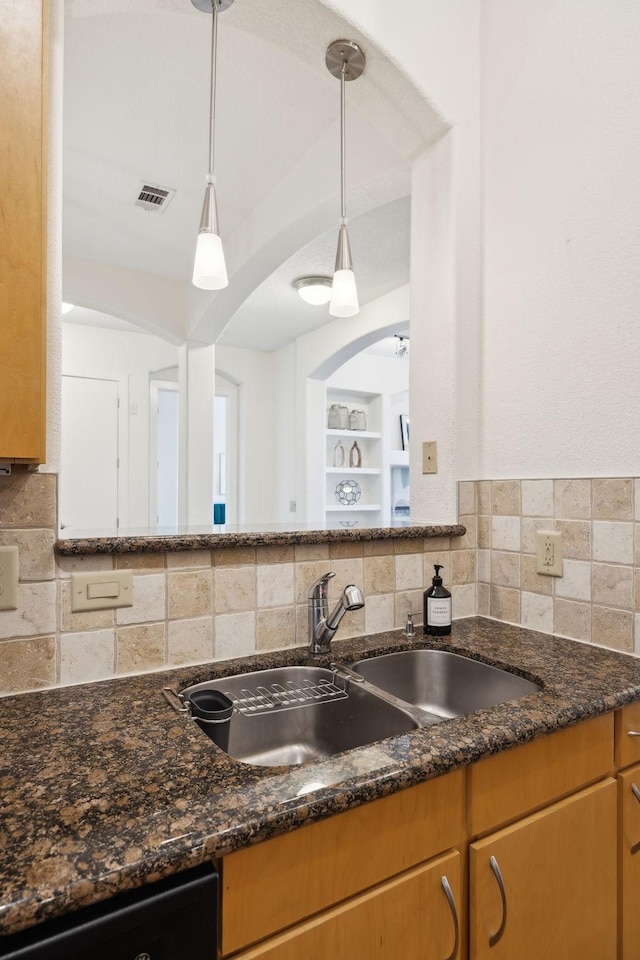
(211, 538)
(105, 787)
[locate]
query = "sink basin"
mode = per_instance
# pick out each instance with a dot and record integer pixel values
(443, 683)
(295, 714)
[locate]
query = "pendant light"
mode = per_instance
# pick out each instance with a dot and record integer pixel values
(209, 268)
(345, 60)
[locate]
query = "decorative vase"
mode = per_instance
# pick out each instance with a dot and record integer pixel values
(339, 455)
(338, 417)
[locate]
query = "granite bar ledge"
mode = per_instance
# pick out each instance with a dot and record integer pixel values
(210, 539)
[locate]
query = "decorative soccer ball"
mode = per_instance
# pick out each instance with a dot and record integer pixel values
(348, 492)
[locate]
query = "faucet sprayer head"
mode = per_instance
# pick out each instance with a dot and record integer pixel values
(352, 597)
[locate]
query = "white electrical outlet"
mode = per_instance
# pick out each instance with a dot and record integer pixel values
(8, 578)
(549, 553)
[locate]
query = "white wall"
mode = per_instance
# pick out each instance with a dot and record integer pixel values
(561, 384)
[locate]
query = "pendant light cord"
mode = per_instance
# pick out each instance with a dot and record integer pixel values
(343, 164)
(212, 91)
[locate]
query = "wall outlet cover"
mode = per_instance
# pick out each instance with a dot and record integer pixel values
(549, 553)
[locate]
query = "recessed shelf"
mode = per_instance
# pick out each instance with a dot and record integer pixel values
(363, 434)
(354, 470)
(356, 508)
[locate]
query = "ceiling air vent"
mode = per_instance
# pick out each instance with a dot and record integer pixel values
(153, 198)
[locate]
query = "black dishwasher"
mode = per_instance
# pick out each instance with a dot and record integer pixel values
(167, 920)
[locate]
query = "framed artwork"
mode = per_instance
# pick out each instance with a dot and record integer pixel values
(404, 430)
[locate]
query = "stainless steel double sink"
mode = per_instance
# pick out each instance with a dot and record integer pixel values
(291, 715)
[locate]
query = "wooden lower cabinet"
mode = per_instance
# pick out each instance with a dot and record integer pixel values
(407, 918)
(560, 886)
(629, 863)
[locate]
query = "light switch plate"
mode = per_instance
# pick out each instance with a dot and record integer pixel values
(101, 591)
(430, 457)
(549, 553)
(8, 578)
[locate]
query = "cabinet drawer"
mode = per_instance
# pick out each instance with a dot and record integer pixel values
(558, 869)
(511, 784)
(279, 882)
(629, 863)
(627, 745)
(408, 917)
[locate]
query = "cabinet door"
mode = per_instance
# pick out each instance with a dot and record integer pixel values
(409, 917)
(22, 231)
(559, 873)
(629, 852)
(281, 882)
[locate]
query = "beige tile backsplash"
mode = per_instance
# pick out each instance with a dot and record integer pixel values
(599, 590)
(194, 606)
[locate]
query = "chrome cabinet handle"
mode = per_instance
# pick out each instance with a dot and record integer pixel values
(446, 886)
(636, 792)
(495, 937)
(633, 733)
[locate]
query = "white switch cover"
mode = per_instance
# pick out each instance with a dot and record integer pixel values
(101, 591)
(549, 553)
(8, 578)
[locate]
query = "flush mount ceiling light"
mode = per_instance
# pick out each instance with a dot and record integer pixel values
(345, 60)
(209, 268)
(67, 307)
(314, 290)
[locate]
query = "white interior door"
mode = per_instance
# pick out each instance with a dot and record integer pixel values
(89, 469)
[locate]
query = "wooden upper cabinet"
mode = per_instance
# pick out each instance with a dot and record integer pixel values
(23, 73)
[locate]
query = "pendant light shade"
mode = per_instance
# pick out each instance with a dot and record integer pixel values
(209, 268)
(344, 295)
(345, 60)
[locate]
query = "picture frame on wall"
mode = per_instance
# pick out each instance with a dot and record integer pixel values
(404, 430)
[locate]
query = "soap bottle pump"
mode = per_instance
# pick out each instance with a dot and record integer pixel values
(437, 606)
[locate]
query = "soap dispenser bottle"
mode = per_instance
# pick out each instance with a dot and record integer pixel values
(437, 606)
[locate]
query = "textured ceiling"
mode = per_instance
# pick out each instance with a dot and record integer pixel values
(136, 109)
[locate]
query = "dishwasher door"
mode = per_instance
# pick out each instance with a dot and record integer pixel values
(172, 919)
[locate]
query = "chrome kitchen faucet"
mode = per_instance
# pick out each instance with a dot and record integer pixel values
(322, 624)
